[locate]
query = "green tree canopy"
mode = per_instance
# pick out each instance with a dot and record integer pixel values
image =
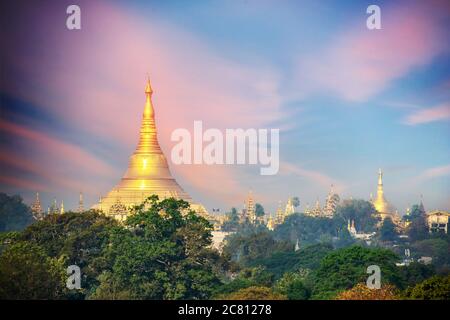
(417, 211)
(416, 272)
(259, 210)
(342, 269)
(232, 222)
(255, 293)
(75, 239)
(295, 202)
(307, 258)
(14, 214)
(309, 230)
(360, 211)
(244, 248)
(162, 253)
(26, 272)
(435, 288)
(436, 248)
(387, 230)
(418, 228)
(247, 277)
(291, 284)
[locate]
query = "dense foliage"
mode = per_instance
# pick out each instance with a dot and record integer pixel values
(344, 268)
(387, 230)
(362, 292)
(306, 258)
(14, 214)
(254, 293)
(435, 288)
(164, 251)
(26, 272)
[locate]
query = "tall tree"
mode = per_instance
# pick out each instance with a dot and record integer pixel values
(75, 239)
(344, 268)
(162, 253)
(296, 202)
(360, 211)
(387, 230)
(259, 210)
(14, 214)
(309, 230)
(292, 286)
(232, 221)
(435, 288)
(418, 228)
(26, 272)
(245, 248)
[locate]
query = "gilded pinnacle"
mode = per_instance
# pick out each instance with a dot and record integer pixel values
(148, 87)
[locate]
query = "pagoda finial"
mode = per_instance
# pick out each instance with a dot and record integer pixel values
(148, 87)
(81, 203)
(421, 206)
(380, 177)
(149, 113)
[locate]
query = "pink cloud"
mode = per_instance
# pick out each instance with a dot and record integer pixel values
(100, 76)
(96, 80)
(422, 116)
(44, 179)
(434, 172)
(316, 177)
(59, 164)
(426, 176)
(361, 62)
(220, 184)
(21, 184)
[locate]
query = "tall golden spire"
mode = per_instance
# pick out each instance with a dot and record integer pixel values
(380, 177)
(148, 140)
(380, 203)
(148, 87)
(148, 172)
(380, 192)
(148, 110)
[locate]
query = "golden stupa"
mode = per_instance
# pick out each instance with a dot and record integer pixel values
(384, 208)
(147, 174)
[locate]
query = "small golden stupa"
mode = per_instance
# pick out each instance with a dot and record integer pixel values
(384, 208)
(148, 173)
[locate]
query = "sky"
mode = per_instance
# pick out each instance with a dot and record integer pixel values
(347, 100)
